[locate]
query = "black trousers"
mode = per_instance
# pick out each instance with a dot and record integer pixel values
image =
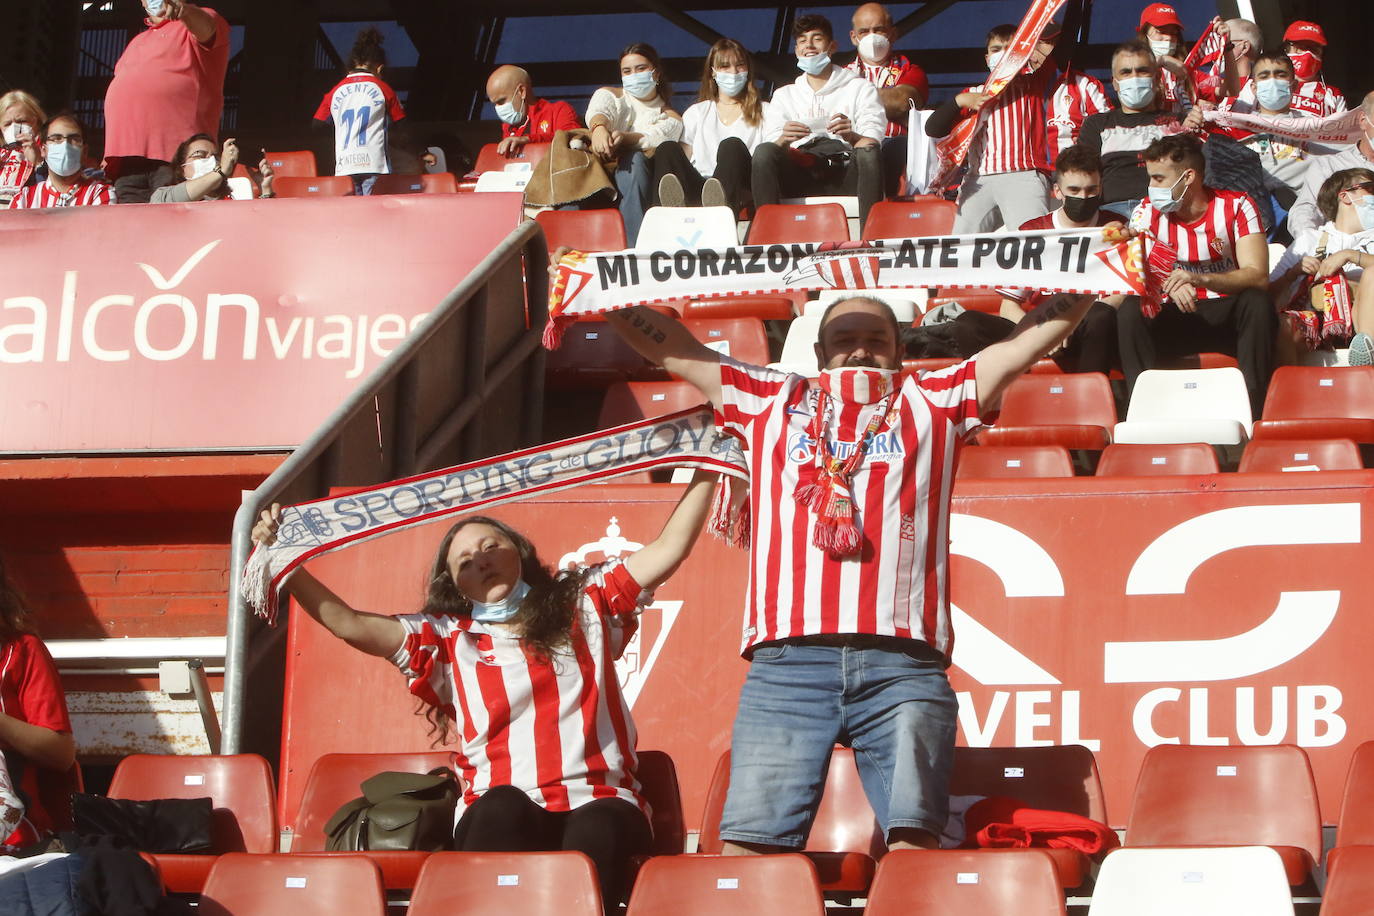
(733, 163)
(1092, 345)
(782, 172)
(1243, 326)
(609, 831)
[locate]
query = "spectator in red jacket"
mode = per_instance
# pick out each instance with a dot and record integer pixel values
(524, 117)
(168, 84)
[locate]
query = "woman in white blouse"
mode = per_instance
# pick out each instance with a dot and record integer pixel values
(627, 122)
(711, 164)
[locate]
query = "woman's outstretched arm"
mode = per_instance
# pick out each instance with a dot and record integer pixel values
(656, 561)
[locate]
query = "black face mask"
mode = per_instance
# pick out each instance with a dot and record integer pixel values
(1082, 209)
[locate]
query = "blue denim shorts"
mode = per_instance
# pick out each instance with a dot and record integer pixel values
(893, 706)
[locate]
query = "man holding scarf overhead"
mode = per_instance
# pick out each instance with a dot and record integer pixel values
(847, 623)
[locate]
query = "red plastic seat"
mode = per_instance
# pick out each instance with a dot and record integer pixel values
(783, 223)
(255, 885)
(238, 785)
(583, 230)
(506, 884)
(933, 364)
(743, 339)
(338, 778)
(593, 355)
(489, 160)
(1053, 778)
(319, 186)
(296, 163)
(1278, 454)
(1349, 891)
(1157, 460)
(1201, 361)
(1000, 461)
(764, 308)
(627, 402)
(1229, 796)
(438, 183)
(1317, 402)
(776, 885)
(1075, 410)
(1355, 827)
(845, 840)
(919, 218)
(658, 779)
(973, 301)
(969, 882)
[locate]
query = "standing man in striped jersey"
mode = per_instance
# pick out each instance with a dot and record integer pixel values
(846, 623)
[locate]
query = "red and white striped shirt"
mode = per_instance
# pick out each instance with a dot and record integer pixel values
(898, 585)
(1077, 96)
(15, 172)
(85, 193)
(1013, 136)
(559, 731)
(898, 71)
(1208, 244)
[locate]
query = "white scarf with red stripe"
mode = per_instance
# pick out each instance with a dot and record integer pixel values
(1319, 135)
(683, 439)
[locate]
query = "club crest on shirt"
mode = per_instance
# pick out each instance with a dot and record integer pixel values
(882, 446)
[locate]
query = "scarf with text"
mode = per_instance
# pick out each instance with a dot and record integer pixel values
(683, 439)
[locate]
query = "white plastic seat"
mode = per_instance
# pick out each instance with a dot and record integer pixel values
(503, 181)
(799, 349)
(1192, 881)
(1187, 405)
(906, 303)
(675, 228)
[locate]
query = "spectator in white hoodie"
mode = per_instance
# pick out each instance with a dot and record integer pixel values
(822, 132)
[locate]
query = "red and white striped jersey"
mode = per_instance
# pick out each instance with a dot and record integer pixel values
(362, 108)
(1175, 92)
(1313, 97)
(898, 71)
(898, 584)
(1208, 244)
(85, 193)
(559, 731)
(15, 172)
(1013, 137)
(1077, 96)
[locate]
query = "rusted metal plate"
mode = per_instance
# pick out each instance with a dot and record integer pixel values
(139, 722)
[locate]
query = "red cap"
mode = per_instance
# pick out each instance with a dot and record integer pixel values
(1159, 15)
(1305, 31)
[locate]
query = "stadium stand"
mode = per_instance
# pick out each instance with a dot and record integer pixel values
(658, 778)
(320, 186)
(1015, 461)
(1355, 823)
(845, 841)
(671, 228)
(299, 163)
(506, 884)
(240, 884)
(593, 355)
(436, 183)
(1126, 460)
(785, 223)
(584, 230)
(1191, 882)
(1300, 455)
(765, 308)
(777, 885)
(967, 882)
(1075, 411)
(919, 218)
(1187, 405)
(240, 788)
(1349, 890)
(1312, 401)
(628, 401)
(1191, 795)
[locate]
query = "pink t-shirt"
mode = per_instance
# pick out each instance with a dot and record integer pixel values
(166, 87)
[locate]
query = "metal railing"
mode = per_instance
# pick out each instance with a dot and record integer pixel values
(467, 383)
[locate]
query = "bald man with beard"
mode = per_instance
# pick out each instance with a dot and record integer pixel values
(525, 118)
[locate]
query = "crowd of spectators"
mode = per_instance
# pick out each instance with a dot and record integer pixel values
(841, 127)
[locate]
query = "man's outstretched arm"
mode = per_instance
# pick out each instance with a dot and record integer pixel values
(663, 341)
(1038, 333)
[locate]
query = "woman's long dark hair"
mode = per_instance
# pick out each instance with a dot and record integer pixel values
(545, 618)
(661, 84)
(14, 610)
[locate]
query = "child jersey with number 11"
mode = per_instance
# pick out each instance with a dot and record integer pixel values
(362, 108)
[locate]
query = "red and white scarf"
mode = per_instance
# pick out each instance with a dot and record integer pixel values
(683, 439)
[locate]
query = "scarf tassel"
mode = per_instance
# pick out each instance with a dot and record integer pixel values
(730, 512)
(834, 530)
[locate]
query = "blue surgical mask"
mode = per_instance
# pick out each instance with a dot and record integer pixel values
(503, 610)
(510, 114)
(732, 84)
(1364, 209)
(814, 65)
(63, 159)
(1135, 91)
(154, 7)
(1163, 200)
(641, 85)
(1273, 94)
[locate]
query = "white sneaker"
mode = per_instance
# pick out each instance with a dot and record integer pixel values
(1361, 350)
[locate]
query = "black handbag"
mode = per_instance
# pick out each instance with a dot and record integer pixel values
(160, 825)
(397, 811)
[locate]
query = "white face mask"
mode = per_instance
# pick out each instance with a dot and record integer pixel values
(641, 85)
(1163, 200)
(510, 114)
(503, 610)
(732, 84)
(202, 167)
(814, 65)
(63, 159)
(154, 8)
(874, 46)
(1364, 209)
(17, 131)
(1163, 48)
(995, 58)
